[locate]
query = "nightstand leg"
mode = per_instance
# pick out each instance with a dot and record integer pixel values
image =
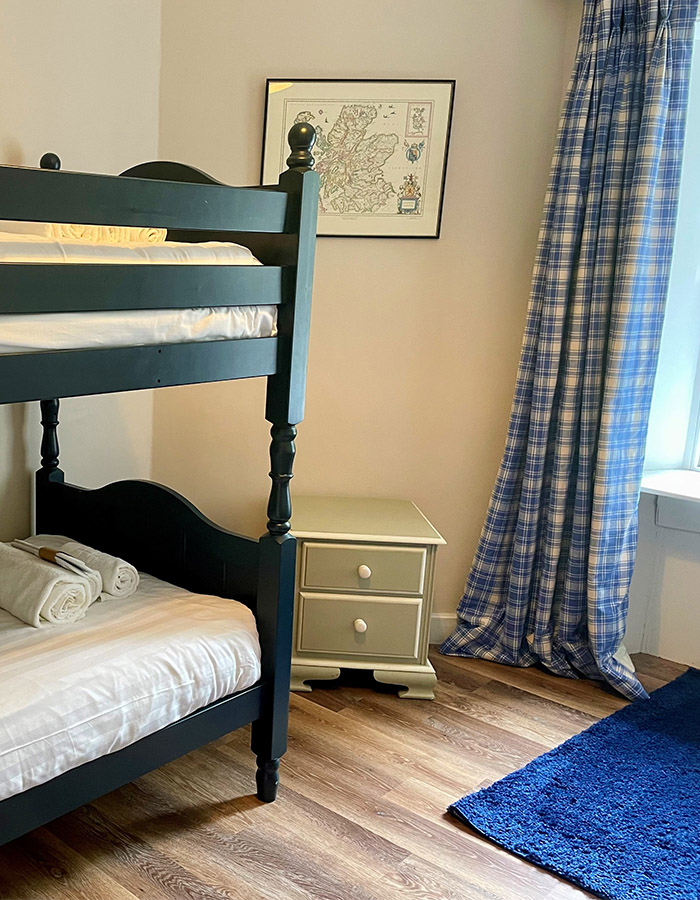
(420, 685)
(302, 674)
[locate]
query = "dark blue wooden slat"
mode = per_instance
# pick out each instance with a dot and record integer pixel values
(50, 288)
(45, 196)
(77, 373)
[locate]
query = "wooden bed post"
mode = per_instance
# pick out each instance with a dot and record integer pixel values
(285, 409)
(49, 470)
(49, 473)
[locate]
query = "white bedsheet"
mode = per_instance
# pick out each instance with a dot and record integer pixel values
(34, 248)
(72, 693)
(79, 331)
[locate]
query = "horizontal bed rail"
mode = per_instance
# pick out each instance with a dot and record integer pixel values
(42, 195)
(88, 287)
(75, 373)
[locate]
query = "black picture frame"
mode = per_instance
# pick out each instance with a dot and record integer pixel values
(272, 130)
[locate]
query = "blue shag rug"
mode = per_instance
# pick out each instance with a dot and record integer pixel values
(615, 809)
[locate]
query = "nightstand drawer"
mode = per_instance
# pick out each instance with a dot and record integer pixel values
(386, 626)
(358, 567)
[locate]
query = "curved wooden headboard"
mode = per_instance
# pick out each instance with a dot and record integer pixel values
(155, 529)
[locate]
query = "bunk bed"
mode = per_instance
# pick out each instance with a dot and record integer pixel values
(153, 527)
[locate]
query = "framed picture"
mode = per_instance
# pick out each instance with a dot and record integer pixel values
(381, 151)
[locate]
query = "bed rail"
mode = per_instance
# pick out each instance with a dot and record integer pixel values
(78, 373)
(51, 288)
(42, 195)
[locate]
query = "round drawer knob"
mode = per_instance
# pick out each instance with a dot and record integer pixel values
(360, 626)
(364, 571)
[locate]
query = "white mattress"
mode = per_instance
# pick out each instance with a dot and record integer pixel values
(79, 331)
(72, 693)
(34, 248)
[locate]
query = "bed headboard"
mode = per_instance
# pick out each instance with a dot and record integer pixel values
(155, 529)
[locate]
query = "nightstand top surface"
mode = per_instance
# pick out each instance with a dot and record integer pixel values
(362, 519)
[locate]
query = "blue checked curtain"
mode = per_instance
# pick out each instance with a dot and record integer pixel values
(550, 579)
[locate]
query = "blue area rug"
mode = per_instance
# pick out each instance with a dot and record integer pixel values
(615, 809)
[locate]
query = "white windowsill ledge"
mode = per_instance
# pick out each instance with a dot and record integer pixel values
(677, 498)
(680, 484)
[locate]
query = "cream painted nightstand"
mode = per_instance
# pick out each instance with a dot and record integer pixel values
(364, 591)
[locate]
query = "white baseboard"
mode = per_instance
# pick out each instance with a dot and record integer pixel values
(441, 626)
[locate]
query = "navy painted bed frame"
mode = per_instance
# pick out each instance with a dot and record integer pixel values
(148, 524)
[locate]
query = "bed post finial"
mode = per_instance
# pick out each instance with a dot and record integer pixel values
(49, 440)
(50, 161)
(301, 138)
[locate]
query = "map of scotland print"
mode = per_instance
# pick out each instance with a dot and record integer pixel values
(381, 151)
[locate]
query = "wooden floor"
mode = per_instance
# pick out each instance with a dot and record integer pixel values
(361, 813)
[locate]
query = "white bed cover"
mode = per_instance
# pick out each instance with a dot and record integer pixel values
(72, 693)
(78, 331)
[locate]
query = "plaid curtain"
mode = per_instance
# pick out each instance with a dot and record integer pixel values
(550, 579)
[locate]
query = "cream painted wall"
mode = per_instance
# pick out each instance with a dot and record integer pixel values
(414, 344)
(79, 78)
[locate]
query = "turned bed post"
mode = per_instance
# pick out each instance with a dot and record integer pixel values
(49, 473)
(49, 440)
(284, 410)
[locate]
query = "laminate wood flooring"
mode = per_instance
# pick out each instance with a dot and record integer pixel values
(361, 811)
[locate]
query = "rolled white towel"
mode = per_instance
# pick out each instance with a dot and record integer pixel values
(66, 561)
(32, 589)
(91, 234)
(119, 578)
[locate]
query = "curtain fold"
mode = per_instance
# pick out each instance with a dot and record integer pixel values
(550, 578)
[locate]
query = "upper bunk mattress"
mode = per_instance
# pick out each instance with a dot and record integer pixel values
(79, 331)
(72, 693)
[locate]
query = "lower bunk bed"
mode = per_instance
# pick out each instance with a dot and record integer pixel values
(195, 653)
(75, 692)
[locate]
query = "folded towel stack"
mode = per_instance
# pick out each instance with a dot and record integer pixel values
(92, 234)
(119, 578)
(32, 589)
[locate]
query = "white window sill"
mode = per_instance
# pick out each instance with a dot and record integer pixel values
(677, 498)
(680, 484)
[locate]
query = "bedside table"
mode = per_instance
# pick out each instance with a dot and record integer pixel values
(364, 591)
